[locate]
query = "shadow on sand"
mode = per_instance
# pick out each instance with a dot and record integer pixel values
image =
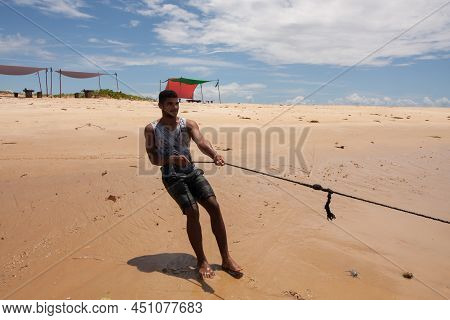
(180, 265)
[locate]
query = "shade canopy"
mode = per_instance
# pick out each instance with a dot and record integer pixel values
(188, 81)
(183, 90)
(18, 70)
(184, 87)
(80, 75)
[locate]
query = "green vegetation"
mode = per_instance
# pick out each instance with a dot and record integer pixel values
(104, 93)
(107, 93)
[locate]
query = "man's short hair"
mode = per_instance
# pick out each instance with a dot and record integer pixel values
(166, 94)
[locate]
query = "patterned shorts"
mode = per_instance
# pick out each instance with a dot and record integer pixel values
(186, 190)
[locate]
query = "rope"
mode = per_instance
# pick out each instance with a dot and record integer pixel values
(318, 187)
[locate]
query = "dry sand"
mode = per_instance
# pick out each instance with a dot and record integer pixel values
(62, 239)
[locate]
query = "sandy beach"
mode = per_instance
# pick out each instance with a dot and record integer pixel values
(83, 216)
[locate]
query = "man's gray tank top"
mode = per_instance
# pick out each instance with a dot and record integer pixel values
(173, 142)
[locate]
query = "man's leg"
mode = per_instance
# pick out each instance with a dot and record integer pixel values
(194, 231)
(218, 227)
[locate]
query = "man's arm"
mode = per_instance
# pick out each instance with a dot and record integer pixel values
(154, 156)
(151, 147)
(204, 145)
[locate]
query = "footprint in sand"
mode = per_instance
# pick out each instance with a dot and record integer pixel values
(112, 198)
(252, 283)
(293, 294)
(98, 218)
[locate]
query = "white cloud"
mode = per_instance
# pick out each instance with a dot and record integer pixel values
(441, 102)
(335, 32)
(173, 12)
(428, 101)
(110, 61)
(108, 43)
(69, 8)
(117, 43)
(134, 23)
(357, 99)
(233, 90)
(131, 24)
(434, 56)
(17, 45)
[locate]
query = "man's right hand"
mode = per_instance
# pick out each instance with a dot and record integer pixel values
(179, 160)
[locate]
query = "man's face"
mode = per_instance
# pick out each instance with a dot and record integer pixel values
(170, 106)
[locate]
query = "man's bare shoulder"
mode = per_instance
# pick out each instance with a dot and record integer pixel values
(149, 127)
(191, 124)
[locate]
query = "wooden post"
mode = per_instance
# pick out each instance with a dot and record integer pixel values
(39, 78)
(218, 89)
(117, 82)
(51, 82)
(60, 85)
(159, 85)
(46, 82)
(99, 85)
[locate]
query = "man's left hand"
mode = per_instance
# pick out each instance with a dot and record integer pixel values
(218, 160)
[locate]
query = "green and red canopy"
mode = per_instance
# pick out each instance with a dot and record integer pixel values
(185, 87)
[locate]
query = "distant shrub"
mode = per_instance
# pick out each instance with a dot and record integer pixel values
(107, 93)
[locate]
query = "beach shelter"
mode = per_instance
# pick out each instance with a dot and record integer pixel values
(22, 71)
(185, 87)
(82, 75)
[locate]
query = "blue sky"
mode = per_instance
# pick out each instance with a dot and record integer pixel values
(262, 51)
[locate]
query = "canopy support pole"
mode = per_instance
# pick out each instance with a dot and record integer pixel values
(218, 89)
(117, 82)
(159, 85)
(51, 82)
(201, 90)
(60, 86)
(99, 85)
(46, 82)
(39, 78)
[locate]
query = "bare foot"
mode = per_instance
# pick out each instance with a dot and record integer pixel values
(205, 270)
(232, 268)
